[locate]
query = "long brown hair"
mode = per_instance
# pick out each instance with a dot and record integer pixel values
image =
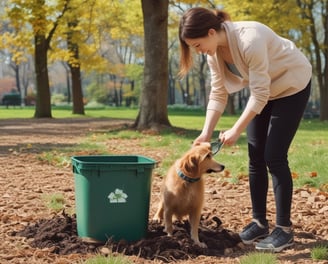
(195, 23)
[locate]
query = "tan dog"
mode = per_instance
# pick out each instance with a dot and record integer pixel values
(183, 189)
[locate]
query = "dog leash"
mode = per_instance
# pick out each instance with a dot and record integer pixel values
(216, 145)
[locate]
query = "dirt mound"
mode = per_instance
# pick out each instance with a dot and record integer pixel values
(60, 235)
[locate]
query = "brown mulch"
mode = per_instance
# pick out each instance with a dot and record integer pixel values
(60, 235)
(32, 233)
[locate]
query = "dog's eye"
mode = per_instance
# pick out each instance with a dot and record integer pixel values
(209, 155)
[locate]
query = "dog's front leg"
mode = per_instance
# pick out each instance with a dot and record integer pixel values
(159, 214)
(168, 221)
(194, 220)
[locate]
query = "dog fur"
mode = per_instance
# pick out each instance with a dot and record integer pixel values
(184, 195)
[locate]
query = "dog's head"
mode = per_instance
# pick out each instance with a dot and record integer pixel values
(199, 160)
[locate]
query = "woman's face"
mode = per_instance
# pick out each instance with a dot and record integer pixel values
(204, 45)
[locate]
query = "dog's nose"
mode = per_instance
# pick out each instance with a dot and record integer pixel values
(223, 167)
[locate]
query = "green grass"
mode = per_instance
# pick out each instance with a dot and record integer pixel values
(54, 201)
(259, 258)
(66, 112)
(320, 252)
(307, 156)
(107, 260)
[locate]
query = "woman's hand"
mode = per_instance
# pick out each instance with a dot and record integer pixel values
(229, 137)
(199, 139)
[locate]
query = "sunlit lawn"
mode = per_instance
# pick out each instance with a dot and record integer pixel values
(308, 155)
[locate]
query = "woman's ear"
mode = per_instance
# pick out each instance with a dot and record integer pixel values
(211, 32)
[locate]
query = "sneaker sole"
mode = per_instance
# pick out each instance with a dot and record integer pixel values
(273, 249)
(250, 242)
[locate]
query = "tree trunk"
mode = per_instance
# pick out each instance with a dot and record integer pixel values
(202, 81)
(324, 88)
(43, 99)
(74, 65)
(68, 81)
(18, 85)
(319, 49)
(68, 84)
(231, 105)
(78, 105)
(153, 112)
(171, 88)
(25, 80)
(324, 96)
(42, 42)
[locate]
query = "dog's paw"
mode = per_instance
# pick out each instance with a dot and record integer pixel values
(157, 219)
(169, 233)
(201, 244)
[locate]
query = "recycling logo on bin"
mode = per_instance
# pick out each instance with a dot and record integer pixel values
(118, 196)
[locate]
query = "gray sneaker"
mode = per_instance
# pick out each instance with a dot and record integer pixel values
(276, 241)
(254, 231)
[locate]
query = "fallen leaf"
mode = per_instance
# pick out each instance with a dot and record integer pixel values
(313, 174)
(294, 175)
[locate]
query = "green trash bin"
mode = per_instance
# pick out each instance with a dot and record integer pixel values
(112, 196)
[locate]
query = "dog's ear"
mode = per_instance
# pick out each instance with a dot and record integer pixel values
(204, 153)
(195, 156)
(203, 148)
(190, 163)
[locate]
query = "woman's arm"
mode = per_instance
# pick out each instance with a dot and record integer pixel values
(212, 117)
(230, 136)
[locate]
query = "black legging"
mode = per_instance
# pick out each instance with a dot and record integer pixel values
(269, 136)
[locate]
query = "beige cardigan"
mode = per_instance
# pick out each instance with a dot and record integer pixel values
(271, 66)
